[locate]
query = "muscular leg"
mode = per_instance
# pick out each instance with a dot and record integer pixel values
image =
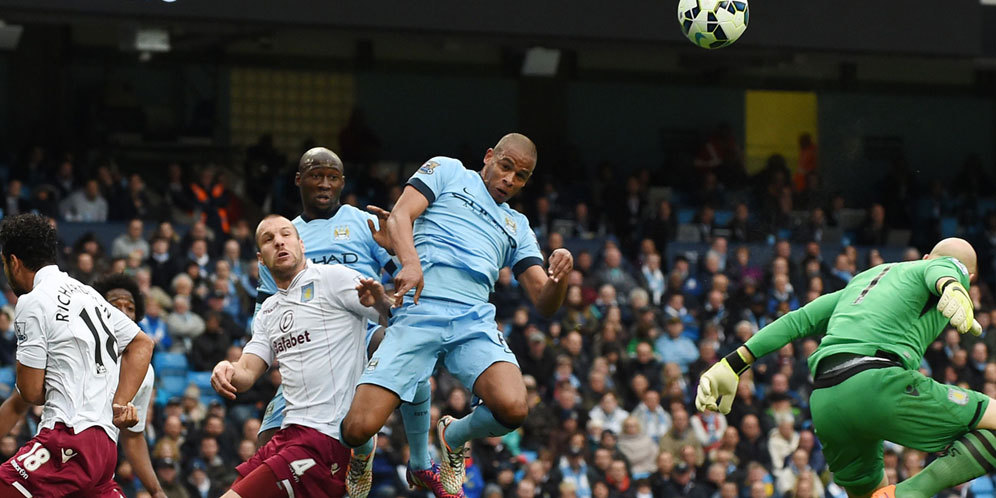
(264, 437)
(414, 415)
(883, 483)
(375, 340)
(504, 407)
(371, 407)
(260, 483)
(8, 491)
(970, 456)
(988, 420)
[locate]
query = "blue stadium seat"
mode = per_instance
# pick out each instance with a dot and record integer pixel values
(949, 226)
(685, 215)
(723, 217)
(200, 379)
(172, 385)
(167, 364)
(986, 205)
(691, 333)
(209, 397)
(7, 377)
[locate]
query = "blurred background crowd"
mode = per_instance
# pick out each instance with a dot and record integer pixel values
(703, 194)
(673, 270)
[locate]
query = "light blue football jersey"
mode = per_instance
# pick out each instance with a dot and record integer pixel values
(343, 239)
(463, 238)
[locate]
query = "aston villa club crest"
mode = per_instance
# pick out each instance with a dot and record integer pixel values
(341, 233)
(428, 167)
(308, 292)
(510, 225)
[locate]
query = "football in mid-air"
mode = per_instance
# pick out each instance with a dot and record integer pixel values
(713, 23)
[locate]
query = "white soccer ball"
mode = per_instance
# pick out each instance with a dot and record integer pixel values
(713, 23)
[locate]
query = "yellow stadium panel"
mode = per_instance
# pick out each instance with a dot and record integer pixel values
(774, 122)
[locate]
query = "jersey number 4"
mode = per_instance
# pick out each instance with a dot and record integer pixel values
(110, 343)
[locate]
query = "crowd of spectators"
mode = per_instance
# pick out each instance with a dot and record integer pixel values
(610, 379)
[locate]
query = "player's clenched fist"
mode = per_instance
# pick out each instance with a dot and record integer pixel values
(560, 265)
(717, 388)
(956, 306)
(718, 385)
(124, 415)
(221, 379)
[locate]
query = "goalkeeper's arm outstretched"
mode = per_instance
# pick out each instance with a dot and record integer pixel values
(867, 384)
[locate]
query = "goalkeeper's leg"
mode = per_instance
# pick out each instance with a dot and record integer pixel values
(973, 455)
(970, 456)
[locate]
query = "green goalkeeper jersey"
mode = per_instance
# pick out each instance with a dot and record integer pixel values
(891, 307)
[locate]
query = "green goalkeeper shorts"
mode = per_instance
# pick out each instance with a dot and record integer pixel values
(852, 419)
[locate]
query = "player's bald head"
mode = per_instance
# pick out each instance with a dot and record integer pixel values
(518, 142)
(319, 157)
(272, 223)
(958, 249)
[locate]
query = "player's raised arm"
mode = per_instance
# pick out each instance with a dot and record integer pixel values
(718, 385)
(948, 276)
(412, 203)
(379, 230)
(547, 289)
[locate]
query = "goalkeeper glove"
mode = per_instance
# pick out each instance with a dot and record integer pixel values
(719, 384)
(956, 306)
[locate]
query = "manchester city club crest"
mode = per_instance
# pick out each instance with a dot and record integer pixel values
(341, 232)
(510, 225)
(428, 167)
(308, 292)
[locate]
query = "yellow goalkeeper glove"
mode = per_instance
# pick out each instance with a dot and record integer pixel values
(718, 385)
(956, 306)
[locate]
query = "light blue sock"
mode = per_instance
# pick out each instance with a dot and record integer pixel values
(363, 449)
(480, 423)
(415, 415)
(366, 448)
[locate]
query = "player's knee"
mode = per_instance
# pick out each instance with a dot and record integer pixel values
(375, 340)
(356, 430)
(512, 414)
(265, 436)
